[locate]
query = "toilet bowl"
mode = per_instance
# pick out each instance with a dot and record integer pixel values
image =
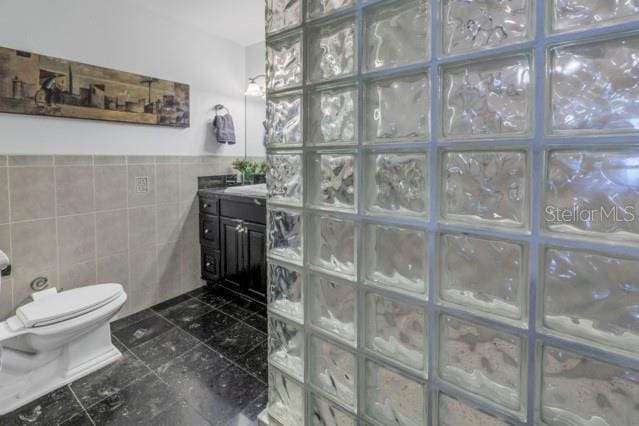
(56, 339)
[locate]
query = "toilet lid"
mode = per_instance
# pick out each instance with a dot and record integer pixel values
(67, 304)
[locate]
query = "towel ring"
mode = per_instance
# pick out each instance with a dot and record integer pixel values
(220, 108)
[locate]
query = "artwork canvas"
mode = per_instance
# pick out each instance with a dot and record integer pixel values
(42, 85)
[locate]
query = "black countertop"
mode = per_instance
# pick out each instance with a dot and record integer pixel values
(243, 191)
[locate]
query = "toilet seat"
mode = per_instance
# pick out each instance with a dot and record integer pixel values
(64, 306)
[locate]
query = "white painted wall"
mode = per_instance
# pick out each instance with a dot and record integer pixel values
(124, 35)
(255, 107)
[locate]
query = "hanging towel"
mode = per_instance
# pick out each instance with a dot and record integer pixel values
(223, 125)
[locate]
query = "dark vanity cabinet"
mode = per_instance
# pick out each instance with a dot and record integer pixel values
(233, 241)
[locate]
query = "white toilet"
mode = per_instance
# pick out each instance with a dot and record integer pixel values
(56, 339)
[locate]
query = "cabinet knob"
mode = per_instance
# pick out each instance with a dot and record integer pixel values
(206, 206)
(206, 231)
(208, 264)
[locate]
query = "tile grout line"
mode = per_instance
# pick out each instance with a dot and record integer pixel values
(81, 405)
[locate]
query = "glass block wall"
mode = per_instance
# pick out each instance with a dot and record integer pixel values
(453, 212)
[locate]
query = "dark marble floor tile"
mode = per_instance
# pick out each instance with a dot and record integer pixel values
(208, 325)
(257, 321)
(198, 291)
(186, 311)
(51, 409)
(163, 306)
(136, 404)
(131, 319)
(78, 420)
(142, 331)
(199, 363)
(256, 362)
(109, 380)
(221, 397)
(236, 341)
(165, 347)
(248, 416)
(211, 297)
(240, 308)
(179, 414)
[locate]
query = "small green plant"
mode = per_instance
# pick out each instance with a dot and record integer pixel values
(249, 168)
(261, 167)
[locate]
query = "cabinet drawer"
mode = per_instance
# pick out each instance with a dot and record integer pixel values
(249, 210)
(210, 264)
(209, 205)
(210, 231)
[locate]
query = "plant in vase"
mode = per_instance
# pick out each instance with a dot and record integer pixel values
(246, 168)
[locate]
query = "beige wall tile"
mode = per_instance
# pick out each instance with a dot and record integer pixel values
(76, 239)
(110, 187)
(78, 275)
(168, 183)
(31, 160)
(140, 159)
(73, 160)
(109, 159)
(168, 159)
(4, 195)
(111, 232)
(6, 299)
(5, 239)
(115, 269)
(33, 245)
(3, 161)
(74, 189)
(190, 215)
(22, 282)
(142, 231)
(169, 270)
(188, 181)
(143, 287)
(190, 271)
(169, 223)
(32, 192)
(141, 198)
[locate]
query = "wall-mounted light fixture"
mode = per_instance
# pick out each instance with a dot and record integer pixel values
(254, 89)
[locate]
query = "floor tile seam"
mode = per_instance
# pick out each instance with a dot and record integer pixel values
(84, 410)
(235, 364)
(247, 324)
(119, 390)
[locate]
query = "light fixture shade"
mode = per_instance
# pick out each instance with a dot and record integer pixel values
(254, 90)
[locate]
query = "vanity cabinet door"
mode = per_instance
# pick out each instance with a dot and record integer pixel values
(254, 236)
(232, 251)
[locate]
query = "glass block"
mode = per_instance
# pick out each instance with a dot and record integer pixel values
(284, 62)
(486, 188)
(333, 115)
(332, 244)
(396, 330)
(284, 178)
(397, 108)
(286, 346)
(483, 361)
(453, 412)
(285, 235)
(593, 297)
(397, 183)
(569, 15)
(334, 371)
(393, 398)
(485, 275)
(488, 99)
(593, 192)
(286, 291)
(332, 50)
(577, 390)
(285, 399)
(396, 258)
(281, 14)
(333, 306)
(325, 413)
(484, 24)
(594, 87)
(319, 8)
(397, 33)
(284, 120)
(333, 176)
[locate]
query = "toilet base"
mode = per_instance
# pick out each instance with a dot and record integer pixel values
(77, 359)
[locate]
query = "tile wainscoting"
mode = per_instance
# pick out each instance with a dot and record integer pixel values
(80, 220)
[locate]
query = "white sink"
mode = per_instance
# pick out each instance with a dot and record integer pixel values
(247, 189)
